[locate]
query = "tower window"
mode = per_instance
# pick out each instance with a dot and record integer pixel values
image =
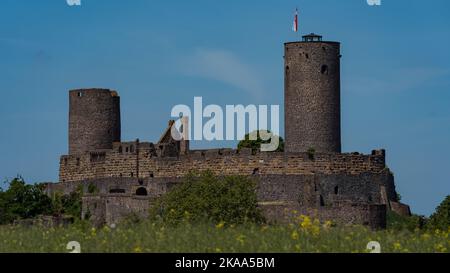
(324, 69)
(336, 190)
(322, 201)
(80, 94)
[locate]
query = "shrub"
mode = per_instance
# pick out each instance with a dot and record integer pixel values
(92, 189)
(25, 201)
(203, 196)
(68, 204)
(311, 153)
(398, 222)
(256, 144)
(441, 218)
(22, 201)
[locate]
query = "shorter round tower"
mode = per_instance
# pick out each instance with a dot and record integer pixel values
(94, 120)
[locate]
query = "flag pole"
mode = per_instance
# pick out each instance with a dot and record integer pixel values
(295, 24)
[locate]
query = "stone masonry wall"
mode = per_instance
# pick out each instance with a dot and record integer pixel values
(143, 163)
(344, 213)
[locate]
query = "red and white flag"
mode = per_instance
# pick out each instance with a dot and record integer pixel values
(295, 25)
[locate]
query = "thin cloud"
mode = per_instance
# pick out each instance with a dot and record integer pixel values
(400, 80)
(223, 66)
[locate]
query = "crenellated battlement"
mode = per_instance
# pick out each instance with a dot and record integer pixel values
(141, 160)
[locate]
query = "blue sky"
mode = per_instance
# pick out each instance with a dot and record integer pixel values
(395, 73)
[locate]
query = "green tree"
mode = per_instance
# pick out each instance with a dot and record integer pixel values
(441, 218)
(22, 201)
(25, 201)
(398, 222)
(68, 204)
(203, 196)
(256, 144)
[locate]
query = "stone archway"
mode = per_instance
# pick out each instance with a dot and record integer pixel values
(141, 191)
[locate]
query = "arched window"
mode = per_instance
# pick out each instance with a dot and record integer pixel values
(120, 149)
(336, 190)
(141, 192)
(324, 69)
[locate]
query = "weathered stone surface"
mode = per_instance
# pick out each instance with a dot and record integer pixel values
(346, 188)
(94, 120)
(312, 97)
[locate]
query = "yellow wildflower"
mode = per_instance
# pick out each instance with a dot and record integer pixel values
(315, 230)
(328, 224)
(220, 225)
(137, 249)
(306, 223)
(440, 248)
(241, 239)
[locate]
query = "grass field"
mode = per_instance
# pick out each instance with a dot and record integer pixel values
(304, 236)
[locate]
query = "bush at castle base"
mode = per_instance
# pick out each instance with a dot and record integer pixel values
(203, 196)
(441, 218)
(22, 201)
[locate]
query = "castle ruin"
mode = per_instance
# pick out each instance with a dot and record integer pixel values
(348, 188)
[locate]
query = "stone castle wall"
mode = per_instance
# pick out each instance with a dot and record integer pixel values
(344, 213)
(142, 160)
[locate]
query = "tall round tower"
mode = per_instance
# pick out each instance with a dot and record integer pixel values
(312, 95)
(94, 120)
